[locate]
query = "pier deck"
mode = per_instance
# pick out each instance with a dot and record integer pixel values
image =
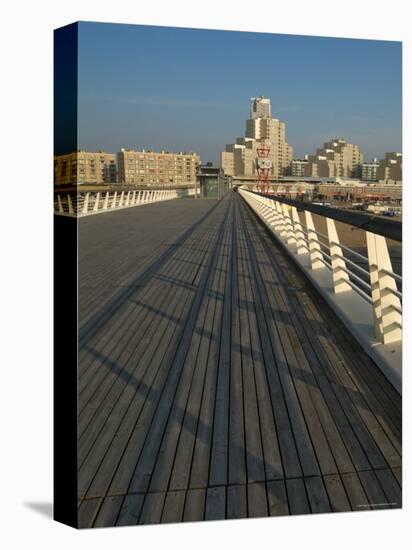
(214, 382)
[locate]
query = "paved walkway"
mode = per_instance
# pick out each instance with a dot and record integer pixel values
(214, 382)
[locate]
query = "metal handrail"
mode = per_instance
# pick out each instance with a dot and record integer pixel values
(390, 229)
(90, 202)
(300, 238)
(344, 247)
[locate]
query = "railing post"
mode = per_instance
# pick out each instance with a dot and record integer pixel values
(70, 204)
(386, 306)
(280, 225)
(114, 200)
(127, 199)
(86, 203)
(121, 199)
(339, 275)
(290, 230)
(106, 201)
(301, 246)
(134, 198)
(96, 203)
(271, 212)
(59, 204)
(313, 241)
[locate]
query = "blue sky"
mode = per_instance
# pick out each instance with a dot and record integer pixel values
(189, 89)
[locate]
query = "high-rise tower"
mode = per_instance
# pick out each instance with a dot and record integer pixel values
(265, 140)
(260, 107)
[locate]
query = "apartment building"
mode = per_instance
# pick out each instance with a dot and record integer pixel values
(336, 158)
(260, 107)
(85, 167)
(151, 168)
(298, 167)
(239, 158)
(390, 168)
(370, 170)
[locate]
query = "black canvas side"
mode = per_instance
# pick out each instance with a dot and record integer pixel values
(65, 288)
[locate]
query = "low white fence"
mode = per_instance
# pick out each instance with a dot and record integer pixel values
(367, 300)
(86, 203)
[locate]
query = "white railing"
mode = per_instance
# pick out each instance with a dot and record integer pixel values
(369, 300)
(87, 203)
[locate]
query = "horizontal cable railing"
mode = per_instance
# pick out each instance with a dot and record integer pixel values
(374, 281)
(86, 203)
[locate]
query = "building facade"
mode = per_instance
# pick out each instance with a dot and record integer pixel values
(370, 170)
(239, 158)
(151, 168)
(298, 167)
(260, 107)
(336, 158)
(85, 167)
(390, 168)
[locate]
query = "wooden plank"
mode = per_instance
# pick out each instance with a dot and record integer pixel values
(203, 442)
(153, 292)
(109, 511)
(194, 509)
(152, 508)
(272, 460)
(315, 411)
(277, 498)
(283, 430)
(398, 474)
(254, 452)
(141, 475)
(173, 258)
(376, 496)
(303, 442)
(336, 492)
(236, 502)
(131, 508)
(123, 236)
(374, 440)
(142, 360)
(145, 394)
(257, 501)
(147, 400)
(215, 503)
(337, 402)
(173, 508)
(357, 497)
(87, 512)
(236, 454)
(165, 458)
(372, 382)
(218, 472)
(317, 495)
(390, 487)
(372, 451)
(119, 388)
(297, 496)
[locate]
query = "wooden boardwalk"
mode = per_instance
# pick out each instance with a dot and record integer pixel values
(214, 382)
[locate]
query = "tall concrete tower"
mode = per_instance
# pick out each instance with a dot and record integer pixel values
(263, 151)
(260, 107)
